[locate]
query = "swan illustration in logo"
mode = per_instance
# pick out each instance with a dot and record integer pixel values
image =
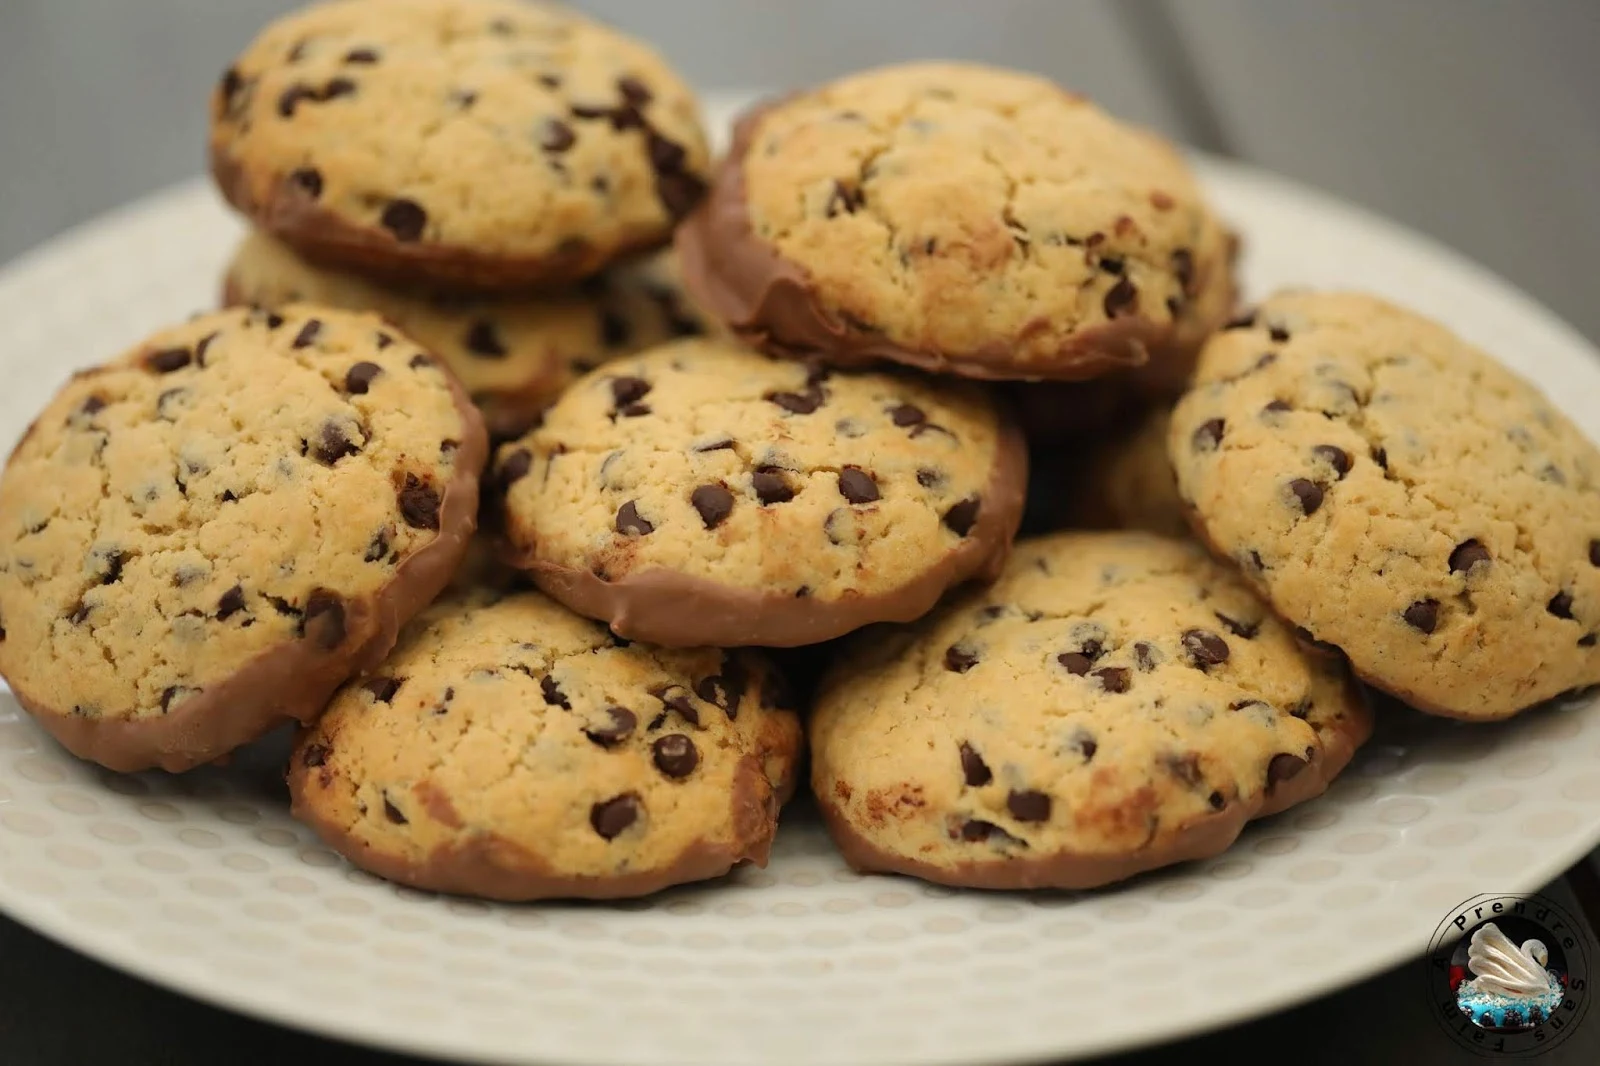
(1510, 987)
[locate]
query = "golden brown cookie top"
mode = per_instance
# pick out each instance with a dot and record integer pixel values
(773, 495)
(1113, 702)
(474, 142)
(510, 748)
(957, 217)
(235, 486)
(1400, 494)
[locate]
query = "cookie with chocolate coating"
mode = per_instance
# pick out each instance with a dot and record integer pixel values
(702, 493)
(204, 538)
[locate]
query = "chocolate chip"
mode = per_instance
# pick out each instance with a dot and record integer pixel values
(382, 340)
(1075, 662)
(1381, 457)
(1185, 768)
(961, 516)
(550, 81)
(1247, 630)
(377, 547)
(857, 486)
(230, 604)
(273, 320)
(630, 523)
(675, 755)
(673, 698)
(771, 487)
(97, 403)
(1183, 269)
(1027, 805)
(1278, 334)
(419, 503)
(363, 56)
(315, 755)
(1208, 435)
(973, 768)
(307, 180)
(1244, 321)
(232, 82)
(1278, 406)
(553, 696)
(307, 335)
(1217, 801)
(405, 219)
(666, 156)
(169, 694)
(724, 690)
(713, 502)
(928, 478)
(1112, 264)
(678, 191)
(333, 444)
(800, 403)
(336, 88)
(323, 621)
(292, 96)
(167, 360)
(1594, 553)
(960, 658)
(391, 812)
(514, 468)
(1337, 458)
(1560, 605)
(634, 91)
(1468, 554)
(626, 390)
(283, 606)
(976, 829)
(359, 377)
(557, 137)
(907, 414)
(844, 200)
(1308, 493)
(1282, 767)
(1205, 648)
(619, 728)
(1114, 678)
(1084, 744)
(483, 339)
(383, 688)
(1121, 297)
(1423, 615)
(1588, 640)
(612, 816)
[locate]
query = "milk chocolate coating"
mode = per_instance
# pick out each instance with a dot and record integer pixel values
(1209, 835)
(295, 680)
(770, 302)
(677, 610)
(321, 236)
(491, 867)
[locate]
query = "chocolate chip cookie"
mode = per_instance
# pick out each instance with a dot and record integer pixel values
(1400, 495)
(961, 219)
(514, 354)
(467, 143)
(1116, 702)
(700, 493)
(207, 536)
(513, 750)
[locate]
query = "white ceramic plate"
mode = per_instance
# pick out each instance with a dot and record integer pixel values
(203, 884)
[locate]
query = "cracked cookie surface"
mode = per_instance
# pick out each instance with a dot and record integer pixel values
(209, 535)
(1115, 702)
(1399, 494)
(473, 143)
(962, 219)
(700, 493)
(513, 354)
(512, 749)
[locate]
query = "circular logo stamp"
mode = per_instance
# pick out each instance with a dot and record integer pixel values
(1509, 975)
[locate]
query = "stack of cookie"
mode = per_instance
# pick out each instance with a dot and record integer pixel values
(487, 175)
(918, 281)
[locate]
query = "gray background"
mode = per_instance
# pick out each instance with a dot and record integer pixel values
(1476, 121)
